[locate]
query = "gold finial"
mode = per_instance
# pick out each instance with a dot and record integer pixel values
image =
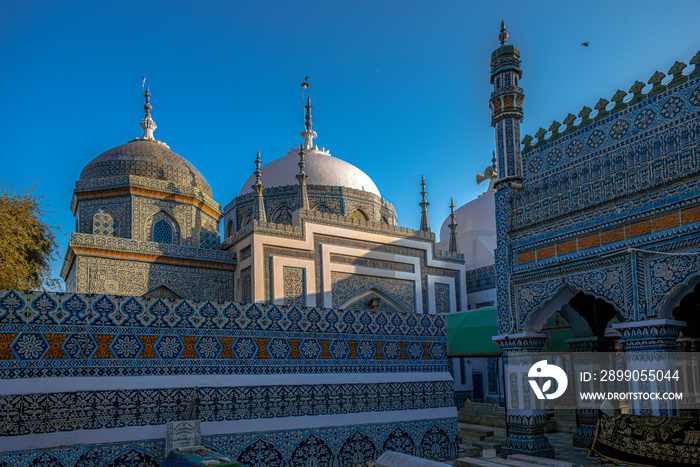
(503, 36)
(147, 124)
(308, 134)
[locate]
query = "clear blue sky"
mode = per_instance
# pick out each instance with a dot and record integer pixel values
(399, 88)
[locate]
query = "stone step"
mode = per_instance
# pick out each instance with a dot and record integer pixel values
(540, 460)
(495, 419)
(474, 462)
(487, 445)
(475, 433)
(468, 451)
(510, 462)
(482, 410)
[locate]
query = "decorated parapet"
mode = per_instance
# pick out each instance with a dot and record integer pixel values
(283, 382)
(658, 82)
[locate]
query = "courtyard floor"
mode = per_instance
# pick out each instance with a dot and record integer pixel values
(560, 441)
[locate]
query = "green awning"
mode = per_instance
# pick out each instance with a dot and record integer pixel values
(469, 333)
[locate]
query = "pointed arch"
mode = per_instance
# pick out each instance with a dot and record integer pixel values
(688, 311)
(161, 291)
(362, 299)
(677, 294)
(157, 227)
(359, 214)
(323, 208)
(282, 215)
(587, 314)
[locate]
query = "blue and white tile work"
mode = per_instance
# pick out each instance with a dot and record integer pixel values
(272, 385)
(628, 179)
(328, 446)
(602, 225)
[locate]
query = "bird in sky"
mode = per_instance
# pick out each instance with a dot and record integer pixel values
(585, 44)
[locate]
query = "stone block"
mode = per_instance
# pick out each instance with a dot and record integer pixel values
(540, 460)
(398, 459)
(472, 462)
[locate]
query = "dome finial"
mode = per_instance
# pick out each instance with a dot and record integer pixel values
(503, 36)
(424, 222)
(308, 134)
(258, 187)
(147, 123)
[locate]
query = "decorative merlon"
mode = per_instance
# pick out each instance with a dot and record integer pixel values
(658, 83)
(330, 219)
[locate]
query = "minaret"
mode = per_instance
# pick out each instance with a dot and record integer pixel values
(302, 195)
(147, 123)
(308, 134)
(454, 246)
(506, 110)
(258, 187)
(424, 222)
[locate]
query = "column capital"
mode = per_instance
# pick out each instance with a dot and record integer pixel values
(521, 342)
(653, 334)
(591, 344)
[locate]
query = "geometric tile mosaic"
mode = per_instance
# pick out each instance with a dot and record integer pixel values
(91, 410)
(45, 334)
(64, 334)
(340, 446)
(628, 177)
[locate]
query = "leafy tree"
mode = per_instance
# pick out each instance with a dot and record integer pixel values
(27, 244)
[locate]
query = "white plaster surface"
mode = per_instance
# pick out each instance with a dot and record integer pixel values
(321, 168)
(68, 384)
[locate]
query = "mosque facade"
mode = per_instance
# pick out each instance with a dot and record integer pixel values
(307, 229)
(163, 319)
(313, 333)
(597, 220)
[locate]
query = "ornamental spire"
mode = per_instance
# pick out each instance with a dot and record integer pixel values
(308, 134)
(453, 246)
(424, 222)
(503, 36)
(258, 187)
(147, 123)
(302, 195)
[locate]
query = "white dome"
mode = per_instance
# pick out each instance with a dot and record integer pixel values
(321, 168)
(477, 214)
(476, 230)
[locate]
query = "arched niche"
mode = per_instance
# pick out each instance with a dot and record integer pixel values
(688, 286)
(158, 220)
(359, 214)
(372, 298)
(688, 310)
(586, 314)
(282, 215)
